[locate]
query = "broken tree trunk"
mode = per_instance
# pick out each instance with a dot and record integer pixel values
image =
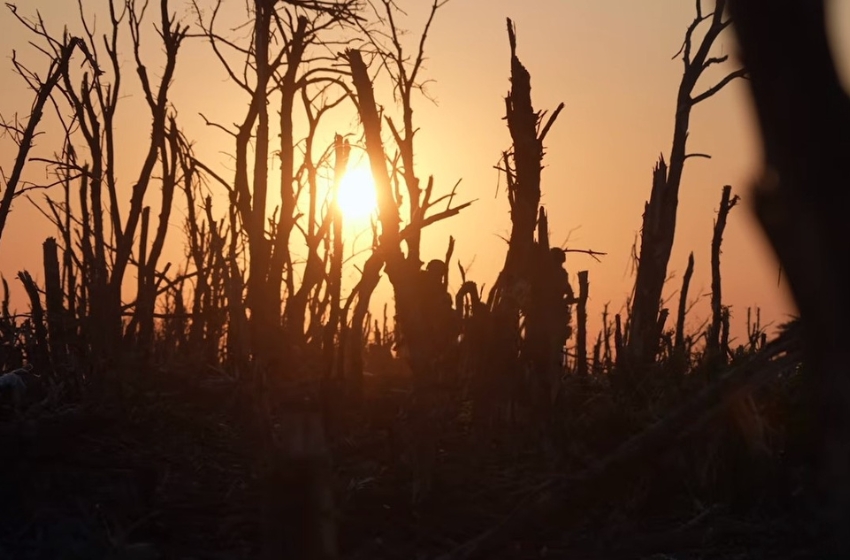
(55, 306)
(350, 366)
(403, 274)
(659, 218)
(523, 166)
(525, 275)
(333, 351)
(715, 351)
(683, 306)
(656, 244)
(581, 320)
(41, 358)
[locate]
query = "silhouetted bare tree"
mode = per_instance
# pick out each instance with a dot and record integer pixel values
(418, 294)
(715, 351)
(659, 218)
(25, 134)
(285, 63)
(107, 243)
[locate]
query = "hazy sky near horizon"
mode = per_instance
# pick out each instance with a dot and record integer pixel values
(609, 61)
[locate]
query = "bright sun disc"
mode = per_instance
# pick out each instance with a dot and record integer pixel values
(357, 198)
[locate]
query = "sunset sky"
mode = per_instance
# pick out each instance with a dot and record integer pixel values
(609, 61)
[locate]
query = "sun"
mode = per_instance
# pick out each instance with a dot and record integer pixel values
(357, 198)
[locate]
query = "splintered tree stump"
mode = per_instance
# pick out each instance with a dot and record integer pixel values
(659, 219)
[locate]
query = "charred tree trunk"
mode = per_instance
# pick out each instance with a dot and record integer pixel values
(404, 277)
(581, 323)
(528, 268)
(715, 352)
(172, 35)
(251, 187)
(659, 218)
(522, 169)
(683, 306)
(538, 343)
(351, 337)
(41, 357)
(56, 314)
(619, 339)
(659, 223)
(417, 295)
(333, 346)
(280, 254)
(295, 313)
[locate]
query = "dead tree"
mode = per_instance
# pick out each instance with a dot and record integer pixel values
(659, 218)
(417, 297)
(350, 366)
(404, 70)
(716, 353)
(521, 298)
(523, 165)
(804, 117)
(318, 230)
(40, 356)
(56, 313)
(107, 242)
(141, 327)
(682, 313)
(342, 150)
(284, 64)
(581, 323)
(404, 74)
(402, 270)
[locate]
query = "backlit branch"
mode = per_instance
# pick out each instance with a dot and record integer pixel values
(58, 67)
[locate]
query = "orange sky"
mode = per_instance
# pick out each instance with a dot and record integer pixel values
(608, 60)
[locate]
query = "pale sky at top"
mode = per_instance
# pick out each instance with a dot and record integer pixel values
(609, 61)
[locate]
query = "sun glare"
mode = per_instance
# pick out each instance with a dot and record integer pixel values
(357, 197)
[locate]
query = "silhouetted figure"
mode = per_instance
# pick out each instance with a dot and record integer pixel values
(435, 275)
(439, 322)
(562, 295)
(437, 310)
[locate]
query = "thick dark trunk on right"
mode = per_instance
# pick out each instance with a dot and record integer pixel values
(802, 205)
